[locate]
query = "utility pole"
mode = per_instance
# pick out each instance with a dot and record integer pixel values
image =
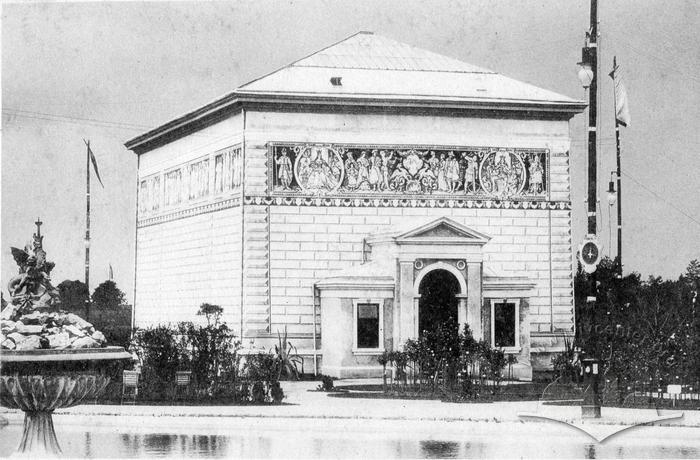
(619, 180)
(590, 250)
(590, 55)
(87, 229)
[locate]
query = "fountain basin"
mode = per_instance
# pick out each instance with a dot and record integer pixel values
(41, 381)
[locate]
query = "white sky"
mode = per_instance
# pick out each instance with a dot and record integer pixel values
(109, 71)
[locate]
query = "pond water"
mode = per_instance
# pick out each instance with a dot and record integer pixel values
(138, 436)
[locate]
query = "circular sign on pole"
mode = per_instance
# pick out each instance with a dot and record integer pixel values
(589, 254)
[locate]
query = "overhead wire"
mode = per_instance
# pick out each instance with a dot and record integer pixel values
(659, 197)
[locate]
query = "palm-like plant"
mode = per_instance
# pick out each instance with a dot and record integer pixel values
(287, 357)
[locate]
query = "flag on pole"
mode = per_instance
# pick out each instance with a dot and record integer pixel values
(94, 164)
(111, 273)
(622, 111)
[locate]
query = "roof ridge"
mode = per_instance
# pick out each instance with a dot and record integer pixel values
(485, 72)
(381, 52)
(305, 57)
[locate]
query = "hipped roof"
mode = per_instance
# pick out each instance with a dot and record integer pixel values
(376, 71)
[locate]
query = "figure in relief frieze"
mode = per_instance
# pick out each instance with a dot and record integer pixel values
(452, 172)
(317, 173)
(303, 168)
(318, 169)
(502, 174)
(470, 174)
(351, 172)
(236, 169)
(386, 158)
(284, 169)
(442, 175)
(434, 163)
(375, 172)
(536, 186)
(363, 165)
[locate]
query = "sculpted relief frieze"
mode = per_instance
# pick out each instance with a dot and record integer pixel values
(500, 173)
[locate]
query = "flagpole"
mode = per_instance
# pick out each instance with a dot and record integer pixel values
(87, 225)
(619, 175)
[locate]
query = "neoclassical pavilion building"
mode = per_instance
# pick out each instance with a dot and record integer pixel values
(359, 196)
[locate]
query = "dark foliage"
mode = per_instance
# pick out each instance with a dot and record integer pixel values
(211, 354)
(114, 323)
(326, 383)
(447, 361)
(211, 312)
(645, 332)
(74, 296)
(107, 296)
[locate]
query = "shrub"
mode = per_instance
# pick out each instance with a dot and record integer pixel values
(114, 323)
(159, 356)
(212, 354)
(276, 392)
(449, 357)
(566, 365)
(107, 296)
(326, 383)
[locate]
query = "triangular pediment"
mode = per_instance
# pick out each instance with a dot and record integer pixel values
(443, 230)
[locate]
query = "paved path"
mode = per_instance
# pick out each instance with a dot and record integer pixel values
(302, 402)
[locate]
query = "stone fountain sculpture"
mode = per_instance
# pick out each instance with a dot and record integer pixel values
(49, 358)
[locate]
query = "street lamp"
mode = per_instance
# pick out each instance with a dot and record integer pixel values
(585, 74)
(612, 193)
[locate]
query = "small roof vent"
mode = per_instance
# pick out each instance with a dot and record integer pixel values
(337, 81)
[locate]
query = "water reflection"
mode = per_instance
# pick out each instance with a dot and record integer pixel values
(439, 449)
(261, 438)
(140, 445)
(590, 451)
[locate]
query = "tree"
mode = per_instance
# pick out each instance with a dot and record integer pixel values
(692, 272)
(211, 312)
(74, 295)
(643, 331)
(108, 296)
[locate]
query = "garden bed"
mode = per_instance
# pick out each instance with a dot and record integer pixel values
(505, 392)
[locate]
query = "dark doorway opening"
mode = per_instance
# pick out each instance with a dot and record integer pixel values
(438, 300)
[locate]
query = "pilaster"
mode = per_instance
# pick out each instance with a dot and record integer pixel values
(473, 313)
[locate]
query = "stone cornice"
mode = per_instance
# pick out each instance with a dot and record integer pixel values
(266, 200)
(237, 100)
(189, 212)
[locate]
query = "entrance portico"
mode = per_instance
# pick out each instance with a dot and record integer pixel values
(408, 258)
(440, 244)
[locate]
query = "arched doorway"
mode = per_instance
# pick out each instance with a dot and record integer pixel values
(438, 299)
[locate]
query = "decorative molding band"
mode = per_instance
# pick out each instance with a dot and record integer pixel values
(190, 212)
(403, 202)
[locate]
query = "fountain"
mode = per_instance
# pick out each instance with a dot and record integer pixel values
(49, 359)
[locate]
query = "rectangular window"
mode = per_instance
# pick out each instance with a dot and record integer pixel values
(368, 325)
(199, 179)
(504, 323)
